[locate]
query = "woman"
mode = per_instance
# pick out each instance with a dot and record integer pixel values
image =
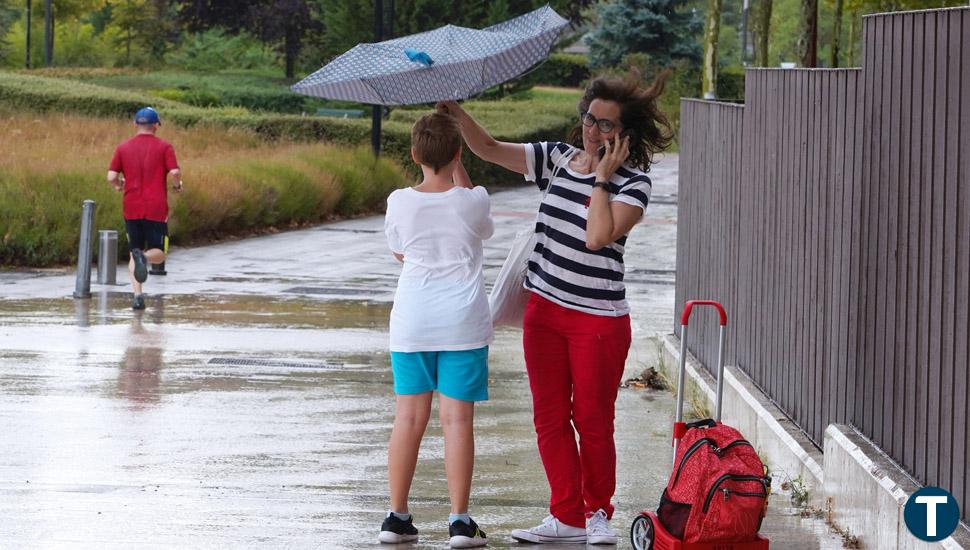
(577, 325)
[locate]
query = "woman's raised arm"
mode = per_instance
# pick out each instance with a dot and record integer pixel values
(507, 155)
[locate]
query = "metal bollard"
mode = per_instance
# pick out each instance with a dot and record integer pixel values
(107, 256)
(82, 286)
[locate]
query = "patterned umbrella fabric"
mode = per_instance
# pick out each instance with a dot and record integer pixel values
(447, 63)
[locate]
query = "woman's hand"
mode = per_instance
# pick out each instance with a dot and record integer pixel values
(507, 155)
(616, 154)
(449, 108)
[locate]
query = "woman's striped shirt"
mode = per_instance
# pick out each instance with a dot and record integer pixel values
(561, 268)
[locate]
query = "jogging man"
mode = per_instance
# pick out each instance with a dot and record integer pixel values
(146, 162)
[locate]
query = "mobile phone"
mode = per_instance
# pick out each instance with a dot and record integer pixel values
(602, 149)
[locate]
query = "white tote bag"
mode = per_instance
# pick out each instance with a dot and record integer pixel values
(509, 295)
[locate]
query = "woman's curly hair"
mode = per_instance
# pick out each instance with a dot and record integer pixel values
(651, 131)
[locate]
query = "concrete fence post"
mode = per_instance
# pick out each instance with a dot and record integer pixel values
(82, 287)
(107, 256)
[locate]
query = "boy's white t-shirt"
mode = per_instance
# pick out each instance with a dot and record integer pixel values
(440, 303)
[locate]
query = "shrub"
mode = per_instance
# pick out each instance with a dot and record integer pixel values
(730, 83)
(76, 44)
(196, 98)
(215, 49)
(561, 69)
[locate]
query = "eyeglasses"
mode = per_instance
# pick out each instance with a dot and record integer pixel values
(604, 124)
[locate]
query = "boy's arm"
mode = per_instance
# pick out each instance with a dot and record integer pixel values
(460, 176)
(398, 257)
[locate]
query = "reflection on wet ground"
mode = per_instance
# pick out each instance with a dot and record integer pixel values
(114, 307)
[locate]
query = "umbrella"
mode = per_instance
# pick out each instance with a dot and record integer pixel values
(449, 62)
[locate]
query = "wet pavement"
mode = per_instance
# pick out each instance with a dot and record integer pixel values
(250, 404)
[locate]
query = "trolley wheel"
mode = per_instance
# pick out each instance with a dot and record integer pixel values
(641, 533)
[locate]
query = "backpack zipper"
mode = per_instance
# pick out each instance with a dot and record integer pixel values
(693, 449)
(697, 445)
(725, 477)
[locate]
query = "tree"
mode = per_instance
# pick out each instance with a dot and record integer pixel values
(132, 18)
(762, 31)
(574, 10)
(9, 13)
(283, 23)
(345, 26)
(711, 31)
(654, 27)
(808, 34)
(836, 35)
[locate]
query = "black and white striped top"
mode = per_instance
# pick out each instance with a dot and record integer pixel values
(561, 268)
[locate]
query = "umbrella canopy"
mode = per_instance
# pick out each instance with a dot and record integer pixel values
(446, 63)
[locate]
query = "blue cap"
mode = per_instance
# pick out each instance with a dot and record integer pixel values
(147, 115)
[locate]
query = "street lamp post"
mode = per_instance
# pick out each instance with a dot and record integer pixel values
(27, 61)
(377, 110)
(48, 33)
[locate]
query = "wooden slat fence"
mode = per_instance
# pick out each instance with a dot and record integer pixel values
(831, 215)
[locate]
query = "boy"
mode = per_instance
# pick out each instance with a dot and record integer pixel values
(440, 325)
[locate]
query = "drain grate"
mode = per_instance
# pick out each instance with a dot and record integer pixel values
(330, 291)
(348, 230)
(242, 362)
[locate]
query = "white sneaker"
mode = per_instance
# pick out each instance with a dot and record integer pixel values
(598, 529)
(551, 530)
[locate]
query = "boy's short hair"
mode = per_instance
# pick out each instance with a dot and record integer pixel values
(436, 138)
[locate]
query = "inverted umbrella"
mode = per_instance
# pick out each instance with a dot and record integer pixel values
(446, 63)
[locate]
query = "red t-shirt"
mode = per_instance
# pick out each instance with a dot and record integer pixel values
(145, 160)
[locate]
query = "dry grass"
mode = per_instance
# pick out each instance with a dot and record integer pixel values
(56, 142)
(235, 183)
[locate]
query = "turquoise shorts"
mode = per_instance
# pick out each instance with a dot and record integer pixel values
(461, 375)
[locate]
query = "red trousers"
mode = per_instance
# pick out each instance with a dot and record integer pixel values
(575, 363)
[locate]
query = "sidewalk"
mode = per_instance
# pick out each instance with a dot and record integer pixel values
(250, 405)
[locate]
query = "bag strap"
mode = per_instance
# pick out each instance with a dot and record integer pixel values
(557, 166)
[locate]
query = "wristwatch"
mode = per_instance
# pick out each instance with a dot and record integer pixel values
(604, 184)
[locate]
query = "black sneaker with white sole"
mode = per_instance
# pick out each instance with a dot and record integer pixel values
(395, 530)
(466, 535)
(141, 265)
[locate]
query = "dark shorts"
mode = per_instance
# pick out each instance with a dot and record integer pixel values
(147, 234)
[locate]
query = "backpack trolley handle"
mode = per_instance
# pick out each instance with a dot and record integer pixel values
(680, 428)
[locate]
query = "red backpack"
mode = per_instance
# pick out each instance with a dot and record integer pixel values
(718, 490)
